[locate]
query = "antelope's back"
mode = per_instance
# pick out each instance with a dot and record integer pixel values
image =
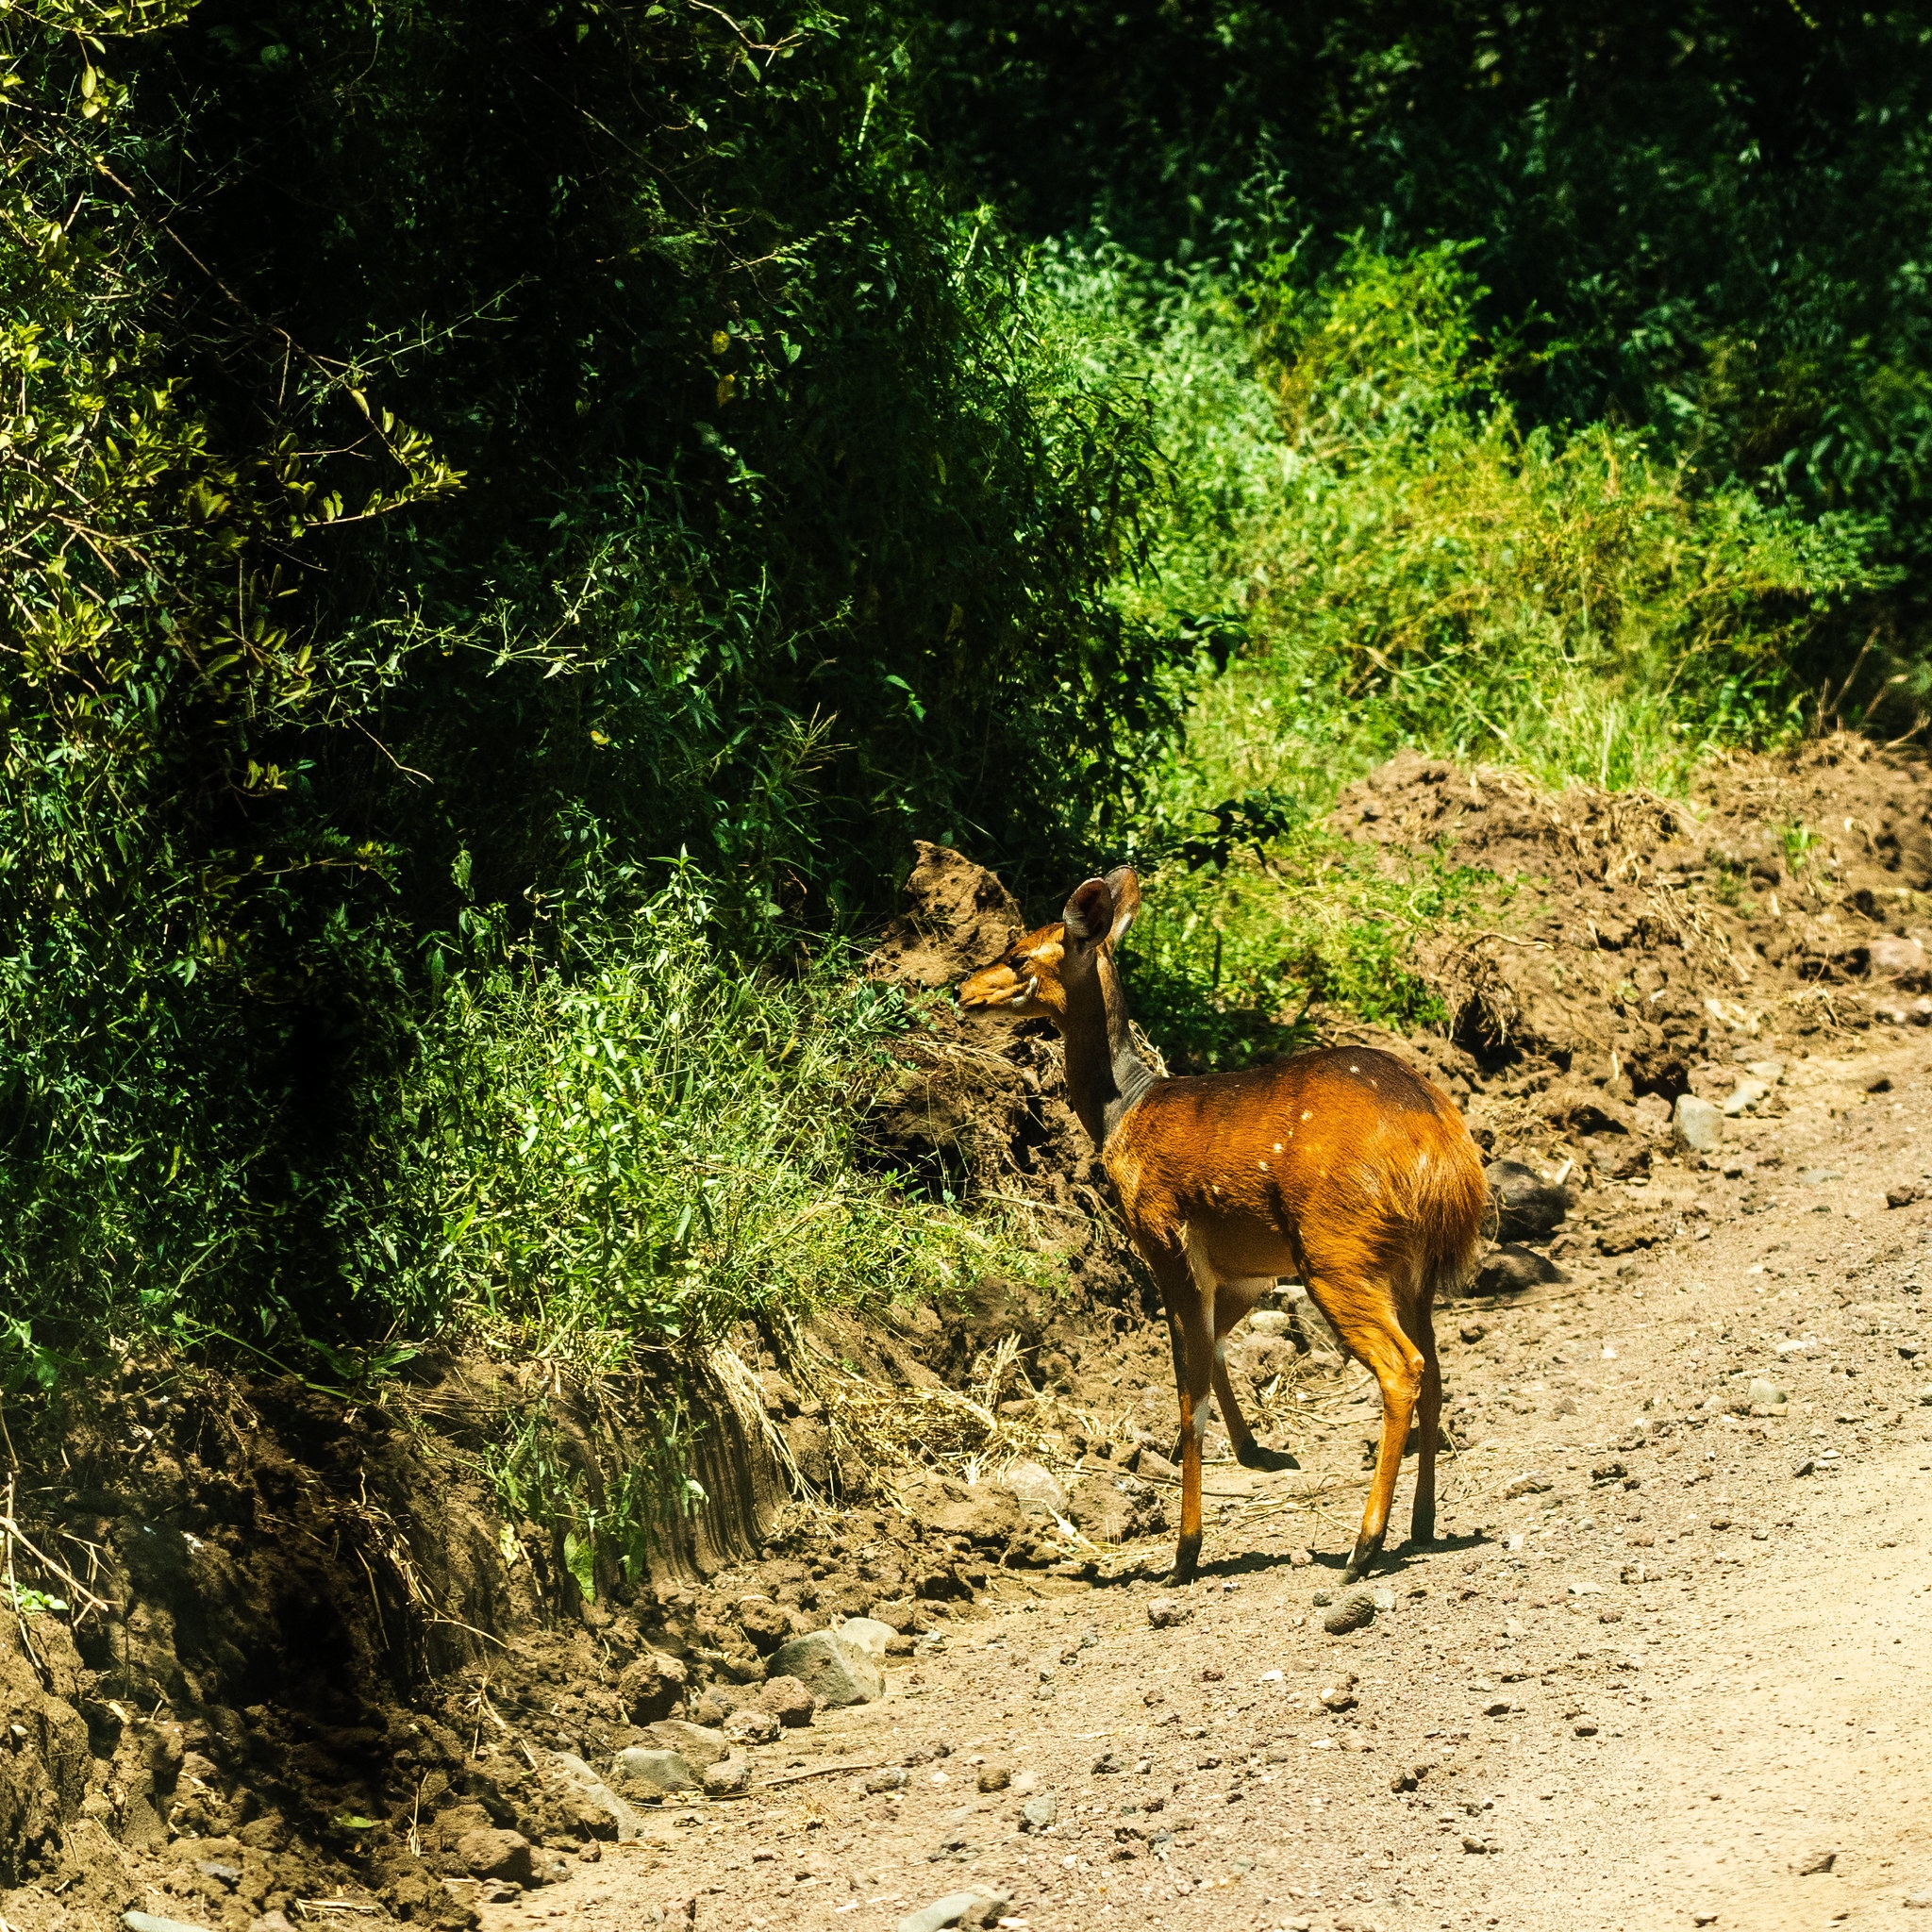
(1346, 1152)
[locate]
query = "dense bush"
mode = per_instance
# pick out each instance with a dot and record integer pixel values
(459, 458)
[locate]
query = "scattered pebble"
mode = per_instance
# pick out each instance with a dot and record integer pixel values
(1165, 1612)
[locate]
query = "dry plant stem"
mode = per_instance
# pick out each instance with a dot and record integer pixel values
(11, 1531)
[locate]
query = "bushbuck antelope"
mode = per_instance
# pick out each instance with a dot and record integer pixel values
(1342, 1166)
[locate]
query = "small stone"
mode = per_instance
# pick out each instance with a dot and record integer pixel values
(488, 1853)
(955, 1908)
(751, 1725)
(994, 1777)
(1478, 1845)
(1338, 1696)
(599, 1795)
(1165, 1612)
(1498, 1706)
(1744, 1096)
(1768, 1394)
(1472, 1332)
(699, 1745)
(1903, 1196)
(1035, 1814)
(893, 1778)
(1584, 1727)
(1920, 1902)
(1817, 1863)
(1111, 1764)
(1698, 1124)
(1818, 1176)
(1805, 1466)
(1892, 958)
(1511, 1269)
(730, 1777)
(1354, 1612)
(1513, 1627)
(150, 1922)
(1582, 1585)
(222, 1873)
(1383, 1597)
(651, 1773)
(1527, 1205)
(835, 1672)
(1322, 1598)
(1300, 1559)
(1524, 1486)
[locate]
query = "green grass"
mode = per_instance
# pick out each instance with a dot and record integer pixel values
(1383, 559)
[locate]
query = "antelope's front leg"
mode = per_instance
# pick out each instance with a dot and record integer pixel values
(1197, 1333)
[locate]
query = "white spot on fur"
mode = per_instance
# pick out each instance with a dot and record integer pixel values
(1357, 1070)
(1421, 1160)
(1307, 1115)
(1262, 1165)
(1277, 1146)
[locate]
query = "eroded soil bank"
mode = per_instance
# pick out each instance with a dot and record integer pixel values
(316, 1673)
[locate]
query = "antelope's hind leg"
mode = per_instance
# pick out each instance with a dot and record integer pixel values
(1363, 1316)
(1428, 1422)
(1190, 1323)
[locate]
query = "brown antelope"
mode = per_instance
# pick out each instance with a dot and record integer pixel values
(1342, 1166)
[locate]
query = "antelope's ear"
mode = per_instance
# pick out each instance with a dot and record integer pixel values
(1088, 914)
(1125, 890)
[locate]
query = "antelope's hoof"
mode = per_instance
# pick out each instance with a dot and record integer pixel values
(1255, 1457)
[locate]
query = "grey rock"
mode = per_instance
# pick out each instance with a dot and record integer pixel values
(1511, 1269)
(1527, 1206)
(1111, 1764)
(1698, 1124)
(1771, 1072)
(148, 1922)
(624, 1817)
(1524, 1486)
(1920, 1902)
(1744, 1096)
(1035, 1814)
(835, 1672)
(654, 1773)
(1383, 1597)
(229, 1876)
(1768, 1394)
(730, 1777)
(1035, 1488)
(1270, 1321)
(893, 1778)
(871, 1634)
(1818, 1176)
(1895, 959)
(955, 1908)
(699, 1745)
(1354, 1612)
(1816, 1864)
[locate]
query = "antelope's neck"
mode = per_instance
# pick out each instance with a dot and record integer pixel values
(1104, 1074)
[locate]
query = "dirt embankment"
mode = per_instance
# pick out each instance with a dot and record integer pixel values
(307, 1659)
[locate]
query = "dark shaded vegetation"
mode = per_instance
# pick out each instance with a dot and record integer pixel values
(513, 516)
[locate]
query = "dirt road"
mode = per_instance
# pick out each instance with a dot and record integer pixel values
(1668, 1665)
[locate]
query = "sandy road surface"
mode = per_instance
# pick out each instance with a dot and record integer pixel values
(1586, 1750)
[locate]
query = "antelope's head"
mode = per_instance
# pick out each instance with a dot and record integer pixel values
(1032, 980)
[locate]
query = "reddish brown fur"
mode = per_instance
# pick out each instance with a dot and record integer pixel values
(1343, 1166)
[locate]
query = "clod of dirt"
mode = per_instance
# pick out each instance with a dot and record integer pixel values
(1165, 1612)
(788, 1701)
(957, 916)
